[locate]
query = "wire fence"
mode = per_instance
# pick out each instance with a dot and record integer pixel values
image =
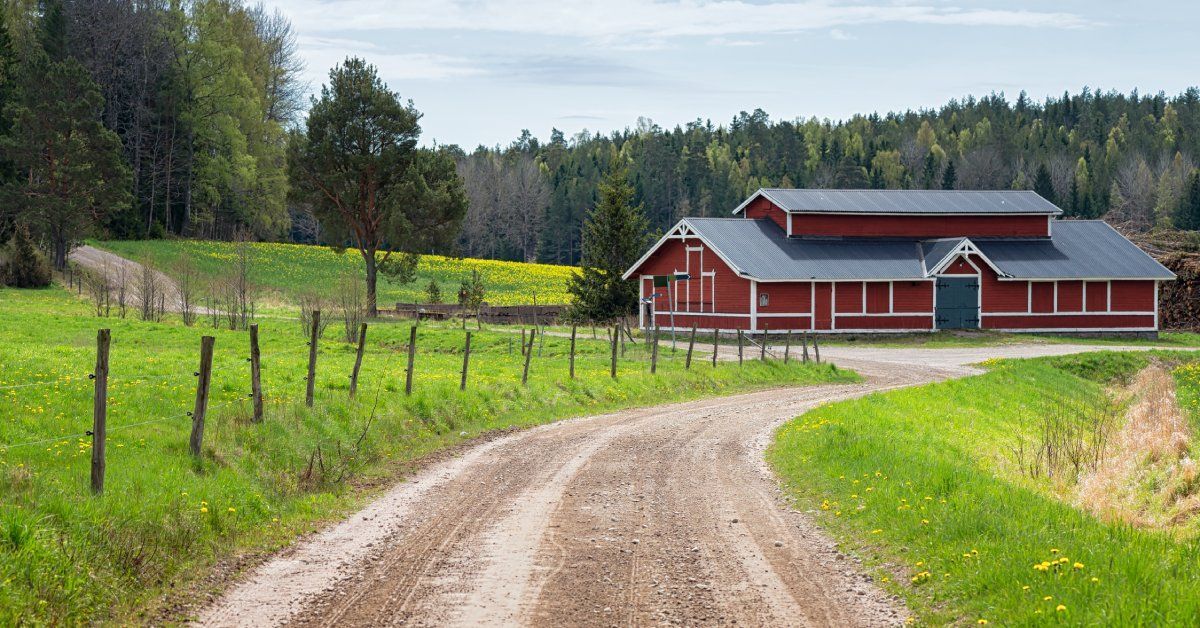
(102, 378)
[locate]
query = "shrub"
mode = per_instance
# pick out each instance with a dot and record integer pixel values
(26, 266)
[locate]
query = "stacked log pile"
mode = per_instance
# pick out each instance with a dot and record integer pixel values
(1179, 300)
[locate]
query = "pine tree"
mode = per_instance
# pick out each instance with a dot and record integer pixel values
(72, 173)
(949, 176)
(614, 235)
(1043, 184)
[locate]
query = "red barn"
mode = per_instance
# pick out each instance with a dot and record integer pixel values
(898, 261)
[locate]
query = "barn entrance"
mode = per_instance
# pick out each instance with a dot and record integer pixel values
(957, 303)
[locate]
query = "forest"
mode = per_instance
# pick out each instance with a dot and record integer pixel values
(185, 111)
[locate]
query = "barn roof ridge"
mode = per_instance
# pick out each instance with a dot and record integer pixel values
(759, 249)
(905, 202)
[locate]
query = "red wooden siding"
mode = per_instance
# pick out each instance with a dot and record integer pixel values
(918, 226)
(878, 297)
(786, 297)
(1069, 321)
(848, 297)
(1097, 296)
(1042, 296)
(959, 266)
(1070, 296)
(845, 323)
(823, 307)
(912, 296)
(684, 320)
(1001, 296)
(1132, 296)
(762, 208)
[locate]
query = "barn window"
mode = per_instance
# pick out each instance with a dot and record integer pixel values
(764, 300)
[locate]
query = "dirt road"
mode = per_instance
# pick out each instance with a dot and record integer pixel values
(664, 515)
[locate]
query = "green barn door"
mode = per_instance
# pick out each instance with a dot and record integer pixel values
(957, 303)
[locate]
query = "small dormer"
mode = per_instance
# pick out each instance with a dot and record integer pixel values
(904, 213)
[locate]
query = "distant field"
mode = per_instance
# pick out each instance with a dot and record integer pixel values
(291, 269)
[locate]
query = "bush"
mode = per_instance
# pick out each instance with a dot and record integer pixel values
(25, 267)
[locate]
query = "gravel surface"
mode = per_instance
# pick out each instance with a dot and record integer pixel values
(663, 515)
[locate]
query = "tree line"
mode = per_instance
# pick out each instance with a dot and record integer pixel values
(1128, 158)
(146, 119)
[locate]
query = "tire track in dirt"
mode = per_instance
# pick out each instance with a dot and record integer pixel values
(663, 515)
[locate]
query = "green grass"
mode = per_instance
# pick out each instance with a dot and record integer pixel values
(288, 269)
(922, 484)
(164, 521)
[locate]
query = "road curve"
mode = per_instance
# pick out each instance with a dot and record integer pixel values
(662, 515)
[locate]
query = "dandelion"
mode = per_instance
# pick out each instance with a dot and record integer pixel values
(1078, 566)
(204, 509)
(232, 509)
(1095, 579)
(1060, 608)
(981, 621)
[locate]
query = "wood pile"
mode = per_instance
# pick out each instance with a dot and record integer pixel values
(1179, 300)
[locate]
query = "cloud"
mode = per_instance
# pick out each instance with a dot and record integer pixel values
(735, 43)
(322, 53)
(572, 70)
(840, 35)
(634, 22)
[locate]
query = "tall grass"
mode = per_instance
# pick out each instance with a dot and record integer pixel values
(164, 520)
(919, 483)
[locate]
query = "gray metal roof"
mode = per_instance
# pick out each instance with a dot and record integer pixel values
(935, 251)
(1077, 249)
(907, 201)
(760, 249)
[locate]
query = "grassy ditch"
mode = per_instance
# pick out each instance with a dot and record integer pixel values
(165, 519)
(946, 492)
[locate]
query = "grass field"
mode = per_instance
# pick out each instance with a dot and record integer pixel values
(925, 485)
(165, 520)
(287, 269)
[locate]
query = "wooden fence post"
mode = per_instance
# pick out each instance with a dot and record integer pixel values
(804, 339)
(522, 341)
(716, 345)
(816, 349)
(528, 355)
(412, 356)
(510, 345)
(100, 410)
(310, 389)
(612, 371)
(787, 346)
(762, 354)
(654, 352)
(362, 341)
(204, 378)
(572, 360)
(741, 335)
(256, 374)
(466, 361)
(687, 366)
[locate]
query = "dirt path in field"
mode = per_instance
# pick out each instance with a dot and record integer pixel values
(662, 515)
(117, 269)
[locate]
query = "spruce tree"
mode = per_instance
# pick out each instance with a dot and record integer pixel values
(1189, 210)
(614, 236)
(1042, 184)
(931, 171)
(949, 177)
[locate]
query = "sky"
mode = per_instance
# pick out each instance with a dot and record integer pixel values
(481, 71)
